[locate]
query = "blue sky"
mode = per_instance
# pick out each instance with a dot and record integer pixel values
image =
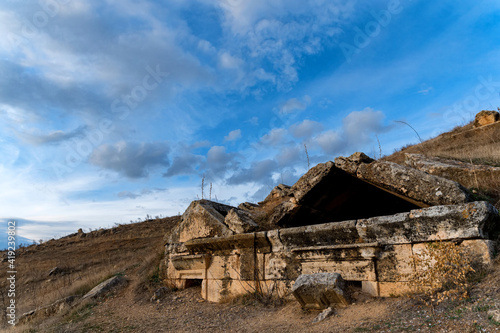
(111, 110)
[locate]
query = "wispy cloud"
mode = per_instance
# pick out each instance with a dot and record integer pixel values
(233, 135)
(53, 137)
(293, 104)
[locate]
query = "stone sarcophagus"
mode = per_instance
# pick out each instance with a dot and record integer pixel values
(220, 247)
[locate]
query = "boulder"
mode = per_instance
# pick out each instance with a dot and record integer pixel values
(321, 290)
(240, 221)
(104, 287)
(486, 117)
(464, 173)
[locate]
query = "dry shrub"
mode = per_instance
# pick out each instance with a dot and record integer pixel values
(442, 273)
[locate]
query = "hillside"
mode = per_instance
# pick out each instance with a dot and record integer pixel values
(135, 252)
(471, 146)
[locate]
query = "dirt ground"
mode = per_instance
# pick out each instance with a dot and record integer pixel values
(186, 311)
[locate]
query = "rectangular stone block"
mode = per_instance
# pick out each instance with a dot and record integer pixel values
(320, 234)
(362, 270)
(281, 266)
(190, 262)
(321, 290)
(224, 267)
(466, 221)
(362, 251)
(223, 290)
(480, 251)
(392, 289)
(395, 263)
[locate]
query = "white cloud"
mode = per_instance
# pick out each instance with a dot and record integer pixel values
(275, 137)
(134, 160)
(331, 142)
(293, 104)
(228, 61)
(219, 161)
(359, 125)
(206, 46)
(289, 156)
(306, 129)
(233, 135)
(281, 32)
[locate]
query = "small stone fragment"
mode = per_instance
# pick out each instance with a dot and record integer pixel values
(323, 315)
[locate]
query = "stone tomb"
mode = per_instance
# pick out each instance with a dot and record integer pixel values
(213, 247)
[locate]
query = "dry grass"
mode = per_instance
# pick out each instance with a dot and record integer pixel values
(85, 262)
(478, 146)
(481, 145)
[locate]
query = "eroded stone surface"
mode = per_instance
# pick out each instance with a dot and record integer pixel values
(312, 178)
(472, 220)
(463, 173)
(320, 291)
(413, 184)
(203, 218)
(279, 191)
(104, 287)
(240, 221)
(350, 164)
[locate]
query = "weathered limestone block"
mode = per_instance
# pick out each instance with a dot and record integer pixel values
(350, 164)
(190, 262)
(464, 173)
(248, 206)
(225, 245)
(225, 267)
(225, 289)
(486, 117)
(471, 220)
(480, 251)
(281, 210)
(313, 177)
(385, 229)
(413, 184)
(239, 221)
(319, 234)
(281, 266)
(361, 251)
(275, 240)
(279, 191)
(244, 265)
(202, 219)
(104, 287)
(320, 291)
(356, 270)
(395, 263)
